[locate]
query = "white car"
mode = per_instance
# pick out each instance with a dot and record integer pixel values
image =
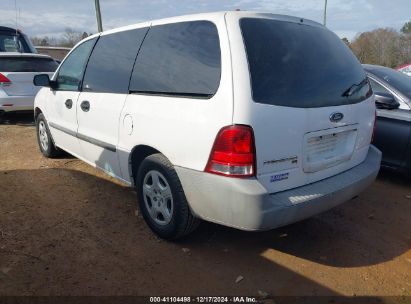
(249, 120)
(406, 69)
(17, 71)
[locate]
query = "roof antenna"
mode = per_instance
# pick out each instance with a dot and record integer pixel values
(17, 32)
(15, 8)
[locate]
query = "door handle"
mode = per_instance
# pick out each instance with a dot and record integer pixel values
(69, 103)
(85, 106)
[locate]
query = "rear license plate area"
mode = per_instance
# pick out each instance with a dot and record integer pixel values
(328, 148)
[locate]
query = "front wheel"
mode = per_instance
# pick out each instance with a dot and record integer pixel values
(44, 139)
(162, 200)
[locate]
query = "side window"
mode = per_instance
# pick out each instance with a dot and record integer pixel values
(71, 72)
(377, 88)
(182, 59)
(111, 62)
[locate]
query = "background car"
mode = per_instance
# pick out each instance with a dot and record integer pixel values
(17, 71)
(406, 69)
(392, 91)
(12, 40)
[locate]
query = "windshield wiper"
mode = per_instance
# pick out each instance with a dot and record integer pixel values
(354, 88)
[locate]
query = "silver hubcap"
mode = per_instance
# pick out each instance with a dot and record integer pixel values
(44, 139)
(158, 198)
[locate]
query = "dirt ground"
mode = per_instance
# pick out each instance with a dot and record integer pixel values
(68, 229)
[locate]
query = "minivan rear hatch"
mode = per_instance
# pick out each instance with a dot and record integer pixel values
(310, 103)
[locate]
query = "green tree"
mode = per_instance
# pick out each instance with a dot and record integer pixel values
(406, 29)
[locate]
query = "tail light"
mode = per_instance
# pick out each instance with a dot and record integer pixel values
(4, 80)
(233, 152)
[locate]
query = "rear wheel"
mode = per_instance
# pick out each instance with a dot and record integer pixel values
(44, 139)
(162, 200)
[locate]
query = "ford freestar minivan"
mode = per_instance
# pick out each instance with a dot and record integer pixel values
(249, 120)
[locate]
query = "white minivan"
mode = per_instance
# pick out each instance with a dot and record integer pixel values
(249, 120)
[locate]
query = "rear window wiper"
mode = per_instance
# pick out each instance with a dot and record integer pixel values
(354, 88)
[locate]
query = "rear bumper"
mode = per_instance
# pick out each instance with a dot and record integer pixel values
(16, 103)
(246, 205)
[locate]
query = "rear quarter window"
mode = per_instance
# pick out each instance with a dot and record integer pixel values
(180, 59)
(297, 65)
(27, 64)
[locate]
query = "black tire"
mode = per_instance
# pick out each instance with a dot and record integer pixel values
(182, 220)
(49, 150)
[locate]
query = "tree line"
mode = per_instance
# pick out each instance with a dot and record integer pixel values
(383, 46)
(69, 38)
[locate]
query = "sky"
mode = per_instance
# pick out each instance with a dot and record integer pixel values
(346, 18)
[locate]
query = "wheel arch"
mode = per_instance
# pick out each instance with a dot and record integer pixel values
(136, 157)
(37, 112)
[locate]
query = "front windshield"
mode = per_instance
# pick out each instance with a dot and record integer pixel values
(397, 80)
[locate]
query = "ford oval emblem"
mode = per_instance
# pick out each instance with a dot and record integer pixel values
(336, 117)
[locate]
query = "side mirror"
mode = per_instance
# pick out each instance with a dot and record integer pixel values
(386, 101)
(43, 80)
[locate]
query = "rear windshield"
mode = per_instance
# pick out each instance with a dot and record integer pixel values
(27, 64)
(12, 42)
(297, 65)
